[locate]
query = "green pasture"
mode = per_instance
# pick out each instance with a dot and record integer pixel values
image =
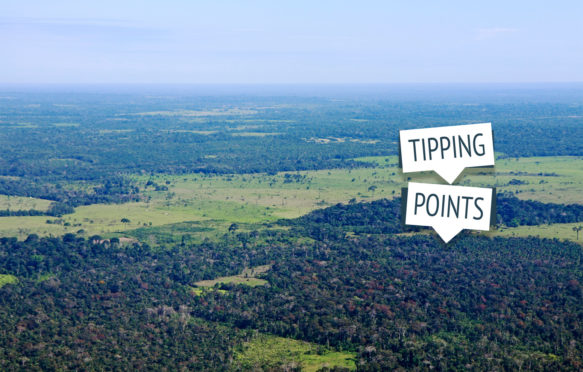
(219, 200)
(553, 179)
(562, 231)
(20, 203)
(7, 279)
(270, 351)
(247, 277)
(105, 219)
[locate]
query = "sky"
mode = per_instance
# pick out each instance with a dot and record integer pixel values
(291, 42)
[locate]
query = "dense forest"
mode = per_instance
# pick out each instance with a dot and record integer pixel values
(407, 302)
(514, 212)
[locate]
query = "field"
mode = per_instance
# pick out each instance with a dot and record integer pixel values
(18, 203)
(553, 179)
(105, 219)
(546, 179)
(265, 350)
(214, 202)
(247, 277)
(7, 279)
(552, 231)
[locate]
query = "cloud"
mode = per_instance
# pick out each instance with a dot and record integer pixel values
(493, 32)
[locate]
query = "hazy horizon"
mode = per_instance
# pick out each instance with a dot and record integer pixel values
(260, 42)
(434, 92)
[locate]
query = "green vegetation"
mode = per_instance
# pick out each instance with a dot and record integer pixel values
(379, 301)
(45, 276)
(266, 351)
(248, 277)
(18, 203)
(186, 134)
(217, 201)
(186, 232)
(546, 179)
(201, 291)
(7, 279)
(562, 231)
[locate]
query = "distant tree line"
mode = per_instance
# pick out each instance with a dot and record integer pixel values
(513, 212)
(384, 216)
(55, 209)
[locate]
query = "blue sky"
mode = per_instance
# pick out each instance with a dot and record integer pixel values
(290, 41)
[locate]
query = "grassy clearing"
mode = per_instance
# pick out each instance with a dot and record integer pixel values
(201, 291)
(292, 194)
(553, 179)
(546, 179)
(203, 132)
(95, 219)
(562, 231)
(265, 351)
(65, 125)
(197, 291)
(21, 227)
(7, 279)
(189, 231)
(287, 194)
(258, 198)
(19, 203)
(255, 134)
(105, 219)
(247, 277)
(193, 113)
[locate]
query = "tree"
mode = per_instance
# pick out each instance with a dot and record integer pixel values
(95, 238)
(69, 238)
(32, 238)
(577, 229)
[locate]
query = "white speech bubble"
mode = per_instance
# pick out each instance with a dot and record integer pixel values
(449, 209)
(447, 150)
